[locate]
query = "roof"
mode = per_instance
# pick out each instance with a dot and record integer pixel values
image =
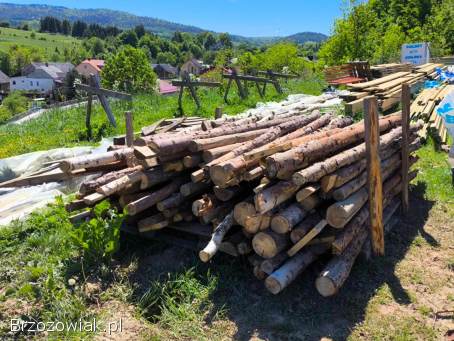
(55, 71)
(196, 62)
(3, 78)
(165, 87)
(98, 64)
(166, 67)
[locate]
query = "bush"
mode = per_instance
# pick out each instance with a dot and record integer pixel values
(12, 105)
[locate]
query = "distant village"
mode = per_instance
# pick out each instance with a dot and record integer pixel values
(43, 79)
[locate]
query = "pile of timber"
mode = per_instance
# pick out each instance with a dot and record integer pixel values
(388, 89)
(283, 187)
(383, 70)
(425, 107)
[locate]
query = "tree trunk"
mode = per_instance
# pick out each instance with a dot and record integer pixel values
(153, 177)
(193, 188)
(285, 220)
(155, 222)
(117, 185)
(192, 161)
(206, 203)
(226, 194)
(215, 153)
(246, 216)
(269, 265)
(91, 185)
(311, 202)
(273, 196)
(95, 160)
(306, 192)
(304, 227)
(175, 200)
(268, 244)
(215, 142)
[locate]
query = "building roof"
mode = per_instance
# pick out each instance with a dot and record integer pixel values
(166, 67)
(196, 62)
(98, 64)
(166, 87)
(3, 78)
(56, 71)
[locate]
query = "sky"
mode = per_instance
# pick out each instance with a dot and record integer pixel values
(242, 17)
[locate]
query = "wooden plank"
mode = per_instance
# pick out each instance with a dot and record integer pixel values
(355, 106)
(406, 97)
(372, 139)
(307, 238)
(151, 129)
(378, 80)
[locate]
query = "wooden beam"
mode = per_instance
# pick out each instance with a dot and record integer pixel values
(196, 83)
(104, 92)
(406, 97)
(372, 139)
(129, 129)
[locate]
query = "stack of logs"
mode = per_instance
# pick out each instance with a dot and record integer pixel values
(282, 186)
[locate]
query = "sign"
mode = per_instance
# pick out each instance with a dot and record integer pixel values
(415, 53)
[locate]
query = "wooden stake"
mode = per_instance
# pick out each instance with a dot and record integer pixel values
(129, 129)
(406, 96)
(372, 139)
(307, 238)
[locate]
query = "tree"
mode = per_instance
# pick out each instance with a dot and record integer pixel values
(210, 41)
(79, 28)
(95, 46)
(128, 38)
(12, 105)
(225, 40)
(66, 27)
(140, 31)
(151, 44)
(166, 58)
(5, 63)
(128, 70)
(69, 89)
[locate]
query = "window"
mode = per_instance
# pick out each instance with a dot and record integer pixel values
(14, 82)
(37, 83)
(31, 83)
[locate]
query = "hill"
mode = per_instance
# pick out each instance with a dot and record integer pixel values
(17, 14)
(44, 41)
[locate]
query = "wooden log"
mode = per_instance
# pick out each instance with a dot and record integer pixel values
(153, 177)
(268, 244)
(117, 185)
(90, 186)
(307, 191)
(341, 212)
(253, 174)
(125, 199)
(220, 141)
(337, 270)
(292, 268)
(318, 170)
(285, 220)
(212, 154)
(75, 205)
(144, 153)
(174, 201)
(246, 216)
(155, 222)
(173, 166)
(148, 130)
(93, 199)
(268, 266)
(258, 273)
(282, 165)
(311, 202)
(153, 198)
(275, 195)
(372, 140)
(95, 160)
(192, 188)
(216, 239)
(307, 238)
(206, 203)
(192, 161)
(304, 227)
(226, 194)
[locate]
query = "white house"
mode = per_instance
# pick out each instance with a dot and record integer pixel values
(38, 85)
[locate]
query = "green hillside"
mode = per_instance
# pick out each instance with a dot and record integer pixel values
(47, 43)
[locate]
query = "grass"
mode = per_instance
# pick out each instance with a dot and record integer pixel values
(66, 128)
(46, 42)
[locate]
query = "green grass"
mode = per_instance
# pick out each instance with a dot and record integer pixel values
(44, 41)
(66, 128)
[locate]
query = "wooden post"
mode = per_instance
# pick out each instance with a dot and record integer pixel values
(372, 139)
(406, 94)
(218, 113)
(129, 129)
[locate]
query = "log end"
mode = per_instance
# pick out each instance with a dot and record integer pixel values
(273, 285)
(280, 224)
(204, 256)
(325, 286)
(264, 245)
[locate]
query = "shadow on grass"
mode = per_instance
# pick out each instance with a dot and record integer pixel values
(299, 312)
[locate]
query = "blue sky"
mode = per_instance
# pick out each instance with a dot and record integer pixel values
(244, 17)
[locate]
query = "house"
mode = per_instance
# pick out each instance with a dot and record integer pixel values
(194, 66)
(4, 83)
(41, 78)
(165, 87)
(165, 71)
(90, 66)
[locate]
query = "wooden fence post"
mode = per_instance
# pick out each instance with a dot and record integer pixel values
(375, 186)
(406, 96)
(129, 129)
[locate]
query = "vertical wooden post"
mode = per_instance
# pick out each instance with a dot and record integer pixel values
(129, 129)
(218, 113)
(372, 139)
(405, 157)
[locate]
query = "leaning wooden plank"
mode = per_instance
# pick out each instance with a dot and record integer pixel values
(307, 238)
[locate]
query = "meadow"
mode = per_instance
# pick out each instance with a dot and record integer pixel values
(46, 42)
